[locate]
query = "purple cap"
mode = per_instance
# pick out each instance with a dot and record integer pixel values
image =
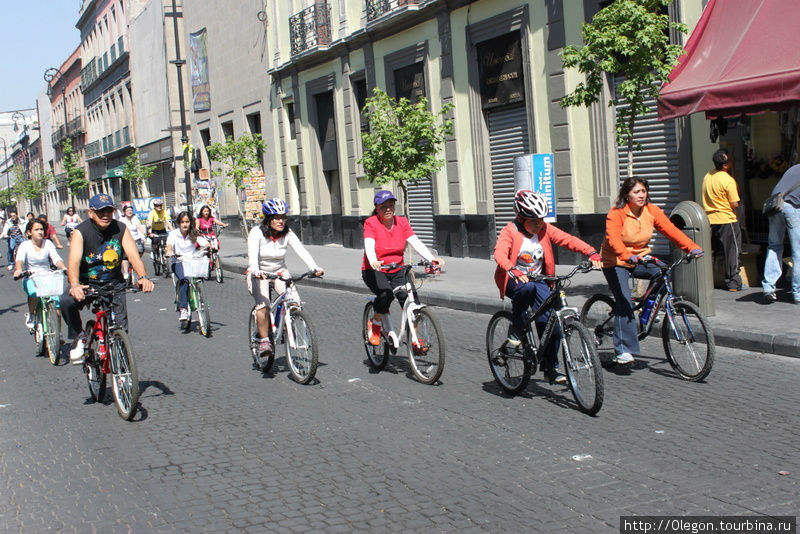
(383, 196)
(101, 201)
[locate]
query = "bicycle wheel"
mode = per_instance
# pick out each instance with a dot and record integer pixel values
(262, 361)
(165, 270)
(155, 253)
(510, 368)
(378, 355)
(39, 326)
(124, 378)
(688, 342)
(93, 368)
(203, 316)
(597, 315)
(304, 357)
(583, 367)
(218, 268)
(427, 356)
(52, 331)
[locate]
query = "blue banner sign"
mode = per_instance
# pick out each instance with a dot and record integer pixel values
(537, 173)
(142, 206)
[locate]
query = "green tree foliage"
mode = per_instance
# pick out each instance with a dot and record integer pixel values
(135, 172)
(5, 197)
(403, 140)
(239, 158)
(33, 187)
(76, 175)
(628, 38)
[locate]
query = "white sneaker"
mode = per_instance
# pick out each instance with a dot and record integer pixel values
(184, 314)
(77, 352)
(10, 267)
(624, 359)
(29, 321)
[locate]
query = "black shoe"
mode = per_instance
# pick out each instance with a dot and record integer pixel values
(554, 377)
(769, 297)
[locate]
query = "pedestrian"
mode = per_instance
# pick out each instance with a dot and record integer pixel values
(720, 201)
(629, 229)
(788, 218)
(13, 230)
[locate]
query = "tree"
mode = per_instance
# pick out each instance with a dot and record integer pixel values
(34, 187)
(239, 158)
(6, 196)
(135, 172)
(76, 175)
(628, 38)
(403, 140)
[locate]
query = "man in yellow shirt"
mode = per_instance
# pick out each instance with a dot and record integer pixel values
(158, 224)
(720, 200)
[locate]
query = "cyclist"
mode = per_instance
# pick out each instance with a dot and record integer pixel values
(385, 239)
(184, 241)
(524, 246)
(50, 231)
(95, 258)
(266, 253)
(206, 221)
(137, 230)
(70, 220)
(629, 228)
(158, 224)
(14, 231)
(36, 254)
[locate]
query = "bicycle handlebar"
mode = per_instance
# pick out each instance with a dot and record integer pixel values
(273, 276)
(408, 266)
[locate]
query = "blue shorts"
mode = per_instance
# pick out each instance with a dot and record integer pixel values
(30, 289)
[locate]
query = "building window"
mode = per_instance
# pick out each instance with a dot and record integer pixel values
(360, 90)
(290, 120)
(254, 123)
(227, 130)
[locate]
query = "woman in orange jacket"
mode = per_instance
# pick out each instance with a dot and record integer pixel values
(629, 228)
(524, 247)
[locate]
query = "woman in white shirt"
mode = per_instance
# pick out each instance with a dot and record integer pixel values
(185, 241)
(69, 221)
(36, 254)
(137, 231)
(266, 252)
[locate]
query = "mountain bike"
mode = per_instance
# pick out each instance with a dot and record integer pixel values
(46, 329)
(109, 352)
(419, 330)
(687, 338)
(196, 270)
(512, 367)
(289, 326)
(158, 253)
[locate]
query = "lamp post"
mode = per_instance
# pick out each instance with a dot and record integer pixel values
(5, 164)
(17, 116)
(178, 62)
(49, 75)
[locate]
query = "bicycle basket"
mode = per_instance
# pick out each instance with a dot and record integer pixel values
(195, 267)
(49, 283)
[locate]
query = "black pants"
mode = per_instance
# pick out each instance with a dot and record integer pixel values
(71, 312)
(381, 284)
(726, 241)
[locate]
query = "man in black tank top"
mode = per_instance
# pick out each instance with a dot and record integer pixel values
(95, 258)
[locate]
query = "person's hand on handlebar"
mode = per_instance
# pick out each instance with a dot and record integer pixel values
(697, 253)
(519, 276)
(376, 265)
(145, 284)
(77, 292)
(319, 272)
(597, 262)
(17, 274)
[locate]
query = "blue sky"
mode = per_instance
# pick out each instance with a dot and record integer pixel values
(34, 35)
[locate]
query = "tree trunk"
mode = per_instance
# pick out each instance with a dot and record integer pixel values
(242, 214)
(404, 189)
(630, 147)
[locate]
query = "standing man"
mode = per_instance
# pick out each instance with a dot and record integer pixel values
(14, 231)
(789, 219)
(720, 200)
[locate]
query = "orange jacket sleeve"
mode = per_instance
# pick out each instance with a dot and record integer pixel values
(502, 250)
(672, 232)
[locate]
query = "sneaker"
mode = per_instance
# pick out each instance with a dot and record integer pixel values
(29, 321)
(374, 333)
(10, 267)
(624, 359)
(769, 298)
(183, 317)
(554, 377)
(420, 346)
(264, 346)
(513, 338)
(78, 350)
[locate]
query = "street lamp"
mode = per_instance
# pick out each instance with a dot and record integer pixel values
(5, 163)
(178, 62)
(17, 116)
(49, 75)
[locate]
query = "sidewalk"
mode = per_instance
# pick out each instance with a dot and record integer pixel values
(741, 321)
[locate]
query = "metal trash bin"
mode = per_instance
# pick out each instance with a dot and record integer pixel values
(694, 280)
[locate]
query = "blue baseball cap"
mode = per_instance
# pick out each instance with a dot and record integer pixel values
(383, 196)
(101, 201)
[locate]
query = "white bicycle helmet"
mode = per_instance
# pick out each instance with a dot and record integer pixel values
(530, 204)
(274, 206)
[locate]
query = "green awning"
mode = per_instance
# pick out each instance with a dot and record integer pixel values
(115, 172)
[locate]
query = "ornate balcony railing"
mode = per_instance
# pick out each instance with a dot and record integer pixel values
(92, 150)
(74, 127)
(310, 28)
(378, 8)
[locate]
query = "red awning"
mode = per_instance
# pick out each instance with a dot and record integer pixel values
(743, 57)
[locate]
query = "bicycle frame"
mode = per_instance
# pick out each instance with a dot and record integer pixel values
(410, 306)
(556, 303)
(279, 318)
(665, 296)
(103, 318)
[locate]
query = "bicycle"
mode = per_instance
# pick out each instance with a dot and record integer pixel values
(196, 270)
(157, 252)
(293, 330)
(108, 352)
(46, 329)
(512, 367)
(685, 325)
(214, 260)
(419, 330)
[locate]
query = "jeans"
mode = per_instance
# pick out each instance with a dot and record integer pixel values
(788, 219)
(532, 295)
(13, 243)
(183, 285)
(626, 331)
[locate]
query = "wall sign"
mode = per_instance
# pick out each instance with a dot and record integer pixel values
(536, 172)
(500, 71)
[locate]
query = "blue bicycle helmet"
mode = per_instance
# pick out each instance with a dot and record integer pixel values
(274, 206)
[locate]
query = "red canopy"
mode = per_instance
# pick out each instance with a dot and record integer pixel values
(743, 57)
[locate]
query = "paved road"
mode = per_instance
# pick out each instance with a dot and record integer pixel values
(218, 447)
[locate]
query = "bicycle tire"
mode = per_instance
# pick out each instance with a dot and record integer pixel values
(304, 358)
(377, 355)
(509, 366)
(52, 332)
(39, 338)
(427, 358)
(124, 375)
(695, 364)
(597, 316)
(155, 254)
(165, 270)
(93, 369)
(584, 375)
(262, 362)
(203, 315)
(218, 268)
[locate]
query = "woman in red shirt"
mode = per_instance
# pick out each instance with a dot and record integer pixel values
(523, 247)
(385, 238)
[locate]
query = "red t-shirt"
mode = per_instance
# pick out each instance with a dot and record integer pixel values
(50, 232)
(390, 243)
